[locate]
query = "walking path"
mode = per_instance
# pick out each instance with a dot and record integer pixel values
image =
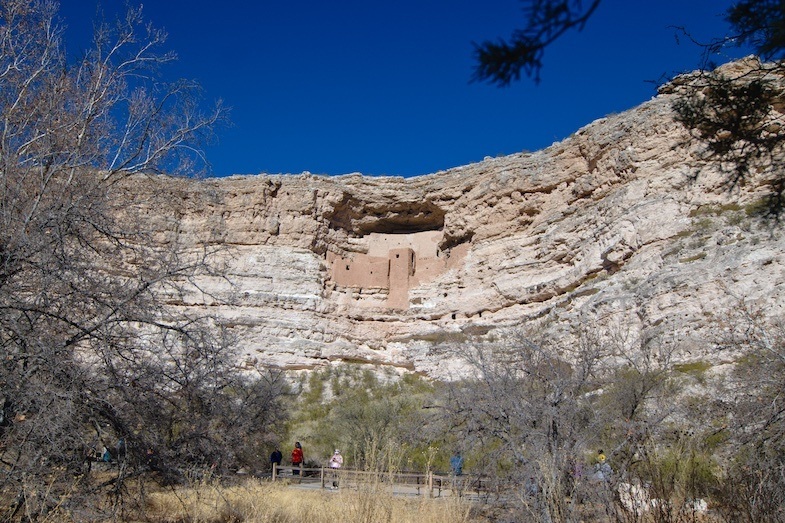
(400, 484)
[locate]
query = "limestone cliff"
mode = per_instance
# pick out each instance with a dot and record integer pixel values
(606, 226)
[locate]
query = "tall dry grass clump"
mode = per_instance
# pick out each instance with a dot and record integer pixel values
(262, 502)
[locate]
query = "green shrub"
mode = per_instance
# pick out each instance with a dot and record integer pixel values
(363, 412)
(693, 368)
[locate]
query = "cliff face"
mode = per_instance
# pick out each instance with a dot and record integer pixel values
(606, 228)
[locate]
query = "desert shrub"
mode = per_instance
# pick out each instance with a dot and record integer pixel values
(362, 413)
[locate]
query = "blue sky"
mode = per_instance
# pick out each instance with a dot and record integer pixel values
(382, 88)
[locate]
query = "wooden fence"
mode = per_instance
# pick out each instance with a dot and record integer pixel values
(430, 484)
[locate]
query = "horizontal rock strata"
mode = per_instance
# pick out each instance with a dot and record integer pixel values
(608, 227)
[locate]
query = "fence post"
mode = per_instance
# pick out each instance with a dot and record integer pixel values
(430, 484)
(275, 471)
(321, 474)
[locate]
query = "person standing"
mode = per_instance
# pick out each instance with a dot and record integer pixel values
(297, 458)
(121, 450)
(602, 470)
(275, 459)
(456, 463)
(335, 463)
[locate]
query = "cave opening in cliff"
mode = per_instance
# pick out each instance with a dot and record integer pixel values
(363, 218)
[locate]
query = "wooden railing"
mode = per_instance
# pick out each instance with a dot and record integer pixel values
(431, 484)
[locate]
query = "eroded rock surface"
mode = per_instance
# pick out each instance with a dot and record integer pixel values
(606, 227)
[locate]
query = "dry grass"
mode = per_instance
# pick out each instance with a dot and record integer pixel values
(264, 502)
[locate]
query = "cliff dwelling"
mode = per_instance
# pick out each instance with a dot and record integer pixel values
(395, 263)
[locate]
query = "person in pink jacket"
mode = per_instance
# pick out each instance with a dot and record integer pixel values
(335, 463)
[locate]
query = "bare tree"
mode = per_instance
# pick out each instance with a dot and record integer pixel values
(92, 357)
(753, 415)
(542, 410)
(525, 407)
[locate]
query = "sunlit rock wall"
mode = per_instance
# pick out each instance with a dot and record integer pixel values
(606, 228)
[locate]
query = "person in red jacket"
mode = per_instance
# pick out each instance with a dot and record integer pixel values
(297, 458)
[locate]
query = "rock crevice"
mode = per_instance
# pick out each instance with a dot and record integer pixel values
(605, 225)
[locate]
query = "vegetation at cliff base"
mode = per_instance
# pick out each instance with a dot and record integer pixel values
(116, 405)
